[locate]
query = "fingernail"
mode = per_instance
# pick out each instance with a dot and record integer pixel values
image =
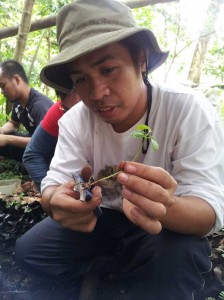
(130, 168)
(98, 191)
(120, 166)
(123, 177)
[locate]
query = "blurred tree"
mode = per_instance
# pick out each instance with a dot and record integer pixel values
(202, 44)
(23, 32)
(167, 21)
(24, 29)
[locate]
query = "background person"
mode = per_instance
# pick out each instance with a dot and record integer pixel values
(158, 210)
(40, 150)
(29, 108)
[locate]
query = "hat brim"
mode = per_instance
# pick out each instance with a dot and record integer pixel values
(56, 75)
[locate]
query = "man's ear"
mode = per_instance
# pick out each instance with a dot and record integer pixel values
(17, 79)
(143, 60)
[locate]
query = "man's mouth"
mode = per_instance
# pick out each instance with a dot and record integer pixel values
(105, 112)
(104, 109)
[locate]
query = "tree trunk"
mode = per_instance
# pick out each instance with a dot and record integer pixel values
(51, 20)
(36, 25)
(49, 57)
(24, 29)
(202, 44)
(35, 54)
(198, 60)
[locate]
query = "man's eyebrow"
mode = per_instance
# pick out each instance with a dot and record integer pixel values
(98, 62)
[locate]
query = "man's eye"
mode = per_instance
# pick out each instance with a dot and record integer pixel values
(78, 80)
(108, 70)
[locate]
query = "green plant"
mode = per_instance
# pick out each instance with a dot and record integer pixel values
(3, 116)
(9, 169)
(27, 209)
(13, 203)
(221, 295)
(21, 195)
(144, 132)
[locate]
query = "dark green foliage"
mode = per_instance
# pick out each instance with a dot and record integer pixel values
(17, 218)
(10, 168)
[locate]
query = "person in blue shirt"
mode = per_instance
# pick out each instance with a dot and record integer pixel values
(40, 149)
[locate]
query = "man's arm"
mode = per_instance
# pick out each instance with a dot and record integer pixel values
(38, 154)
(14, 140)
(190, 215)
(9, 127)
(46, 199)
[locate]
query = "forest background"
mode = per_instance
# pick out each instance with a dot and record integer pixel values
(192, 31)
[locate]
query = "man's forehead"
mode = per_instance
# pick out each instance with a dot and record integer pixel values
(97, 57)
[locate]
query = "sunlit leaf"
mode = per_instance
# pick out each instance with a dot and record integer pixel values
(154, 144)
(143, 127)
(137, 134)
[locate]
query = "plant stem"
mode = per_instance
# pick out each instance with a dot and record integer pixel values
(147, 135)
(112, 175)
(101, 179)
(137, 154)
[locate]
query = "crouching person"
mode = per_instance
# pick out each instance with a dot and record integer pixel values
(158, 210)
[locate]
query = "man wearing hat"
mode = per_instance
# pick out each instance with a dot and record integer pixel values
(157, 211)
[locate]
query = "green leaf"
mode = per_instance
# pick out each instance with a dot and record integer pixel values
(154, 144)
(143, 127)
(138, 134)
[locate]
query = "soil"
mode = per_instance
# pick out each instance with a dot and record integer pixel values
(20, 211)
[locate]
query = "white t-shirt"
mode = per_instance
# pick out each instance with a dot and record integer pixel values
(191, 147)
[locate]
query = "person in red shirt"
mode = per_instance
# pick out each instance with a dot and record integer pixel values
(40, 150)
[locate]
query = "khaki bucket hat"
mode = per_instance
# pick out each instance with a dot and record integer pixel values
(87, 25)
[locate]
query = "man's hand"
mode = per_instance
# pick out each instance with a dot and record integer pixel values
(72, 213)
(147, 193)
(4, 140)
(2, 131)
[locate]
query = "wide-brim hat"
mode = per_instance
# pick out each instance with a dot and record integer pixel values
(87, 25)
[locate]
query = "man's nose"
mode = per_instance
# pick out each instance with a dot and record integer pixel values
(98, 89)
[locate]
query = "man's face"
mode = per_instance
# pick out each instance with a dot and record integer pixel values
(8, 87)
(69, 100)
(111, 86)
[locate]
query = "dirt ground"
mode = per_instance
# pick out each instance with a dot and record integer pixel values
(20, 211)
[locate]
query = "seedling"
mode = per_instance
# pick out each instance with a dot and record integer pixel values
(13, 203)
(142, 131)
